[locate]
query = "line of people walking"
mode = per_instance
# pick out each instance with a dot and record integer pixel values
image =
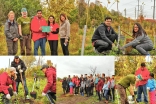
(26, 29)
(90, 85)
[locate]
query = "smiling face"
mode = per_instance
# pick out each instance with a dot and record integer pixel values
(51, 19)
(108, 22)
(136, 28)
(39, 14)
(11, 17)
(62, 18)
(24, 14)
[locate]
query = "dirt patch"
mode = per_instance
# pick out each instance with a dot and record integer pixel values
(77, 99)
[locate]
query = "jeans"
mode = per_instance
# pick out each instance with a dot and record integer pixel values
(106, 95)
(142, 89)
(53, 46)
(64, 48)
(113, 93)
(41, 42)
(25, 87)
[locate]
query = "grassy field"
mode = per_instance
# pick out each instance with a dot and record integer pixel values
(78, 99)
(40, 99)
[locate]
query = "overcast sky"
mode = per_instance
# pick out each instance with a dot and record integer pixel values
(74, 65)
(130, 6)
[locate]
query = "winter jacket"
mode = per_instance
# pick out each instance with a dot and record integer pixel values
(5, 81)
(99, 85)
(101, 33)
(64, 84)
(112, 84)
(11, 30)
(35, 25)
(74, 80)
(64, 30)
(51, 80)
(71, 84)
(88, 83)
(145, 76)
(54, 34)
(82, 84)
(151, 84)
(142, 39)
(77, 82)
(23, 67)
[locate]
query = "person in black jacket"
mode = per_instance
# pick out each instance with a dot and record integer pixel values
(104, 36)
(64, 85)
(20, 68)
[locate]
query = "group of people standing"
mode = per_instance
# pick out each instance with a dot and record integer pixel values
(142, 82)
(27, 29)
(88, 84)
(16, 75)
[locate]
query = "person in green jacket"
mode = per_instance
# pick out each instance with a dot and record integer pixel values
(125, 83)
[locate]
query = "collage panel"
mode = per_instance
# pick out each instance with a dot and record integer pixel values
(39, 27)
(82, 80)
(135, 79)
(27, 80)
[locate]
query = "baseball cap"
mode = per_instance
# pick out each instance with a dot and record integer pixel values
(13, 69)
(23, 10)
(44, 66)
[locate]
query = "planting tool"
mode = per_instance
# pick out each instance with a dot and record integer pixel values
(33, 93)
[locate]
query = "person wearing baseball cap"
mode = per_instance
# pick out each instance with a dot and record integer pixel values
(6, 79)
(24, 31)
(50, 88)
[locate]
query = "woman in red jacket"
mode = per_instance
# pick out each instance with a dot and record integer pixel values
(7, 79)
(53, 35)
(77, 85)
(99, 88)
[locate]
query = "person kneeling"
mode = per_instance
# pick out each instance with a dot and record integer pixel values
(6, 79)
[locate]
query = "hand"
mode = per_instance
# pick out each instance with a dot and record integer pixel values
(40, 28)
(15, 93)
(113, 45)
(15, 39)
(43, 94)
(8, 96)
(122, 50)
(148, 88)
(19, 67)
(21, 71)
(66, 41)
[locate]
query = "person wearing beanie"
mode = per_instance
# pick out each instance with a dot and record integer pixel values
(50, 89)
(24, 32)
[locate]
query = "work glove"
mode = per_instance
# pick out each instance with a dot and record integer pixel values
(21, 71)
(43, 94)
(8, 96)
(19, 67)
(15, 93)
(148, 88)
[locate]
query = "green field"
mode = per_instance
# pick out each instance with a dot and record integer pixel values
(40, 99)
